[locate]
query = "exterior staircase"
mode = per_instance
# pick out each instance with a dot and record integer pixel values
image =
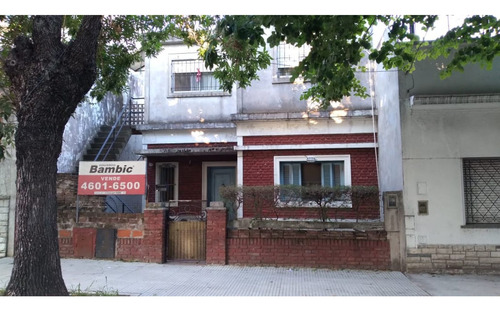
(114, 145)
(108, 144)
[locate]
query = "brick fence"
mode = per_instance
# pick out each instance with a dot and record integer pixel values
(282, 247)
(137, 237)
(142, 237)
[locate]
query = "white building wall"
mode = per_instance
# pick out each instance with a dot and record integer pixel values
(163, 106)
(81, 129)
(436, 139)
(386, 96)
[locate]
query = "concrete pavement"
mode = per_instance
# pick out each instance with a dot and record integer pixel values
(182, 279)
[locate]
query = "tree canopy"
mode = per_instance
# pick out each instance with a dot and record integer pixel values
(337, 45)
(236, 47)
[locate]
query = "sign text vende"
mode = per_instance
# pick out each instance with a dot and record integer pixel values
(108, 178)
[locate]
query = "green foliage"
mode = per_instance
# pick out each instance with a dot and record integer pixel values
(235, 47)
(235, 50)
(124, 40)
(91, 292)
(476, 41)
(276, 198)
(338, 44)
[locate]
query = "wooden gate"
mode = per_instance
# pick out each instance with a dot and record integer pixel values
(187, 232)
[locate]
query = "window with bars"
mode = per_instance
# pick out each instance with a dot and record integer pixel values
(482, 190)
(289, 57)
(191, 75)
(166, 182)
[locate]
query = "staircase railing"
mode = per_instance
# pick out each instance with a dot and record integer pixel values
(124, 205)
(113, 134)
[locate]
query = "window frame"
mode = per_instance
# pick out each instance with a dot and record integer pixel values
(191, 93)
(278, 160)
(302, 52)
(467, 195)
(175, 165)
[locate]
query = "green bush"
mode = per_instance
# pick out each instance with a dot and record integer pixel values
(274, 198)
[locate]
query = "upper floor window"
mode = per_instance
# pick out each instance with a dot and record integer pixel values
(288, 57)
(191, 75)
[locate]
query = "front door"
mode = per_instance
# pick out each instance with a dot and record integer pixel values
(219, 177)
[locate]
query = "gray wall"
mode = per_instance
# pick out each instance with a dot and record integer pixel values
(7, 203)
(425, 79)
(82, 127)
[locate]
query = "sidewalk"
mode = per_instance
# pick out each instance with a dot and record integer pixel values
(178, 279)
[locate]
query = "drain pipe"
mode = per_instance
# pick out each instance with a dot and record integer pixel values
(372, 101)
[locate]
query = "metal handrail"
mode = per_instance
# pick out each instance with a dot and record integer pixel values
(119, 121)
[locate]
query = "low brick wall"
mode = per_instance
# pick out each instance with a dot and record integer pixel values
(139, 237)
(142, 237)
(341, 249)
(321, 249)
(454, 259)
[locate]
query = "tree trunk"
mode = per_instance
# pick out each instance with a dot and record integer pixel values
(37, 269)
(48, 79)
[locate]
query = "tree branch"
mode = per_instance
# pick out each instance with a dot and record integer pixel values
(84, 46)
(47, 35)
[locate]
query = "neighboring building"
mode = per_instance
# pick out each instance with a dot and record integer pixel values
(451, 168)
(197, 138)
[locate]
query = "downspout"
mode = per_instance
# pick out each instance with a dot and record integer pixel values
(375, 148)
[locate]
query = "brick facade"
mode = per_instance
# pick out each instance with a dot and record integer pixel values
(190, 174)
(307, 248)
(258, 170)
(308, 139)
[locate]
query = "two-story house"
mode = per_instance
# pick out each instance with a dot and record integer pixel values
(197, 138)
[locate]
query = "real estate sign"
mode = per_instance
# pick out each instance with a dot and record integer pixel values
(112, 177)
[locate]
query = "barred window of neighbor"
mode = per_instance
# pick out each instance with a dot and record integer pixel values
(482, 190)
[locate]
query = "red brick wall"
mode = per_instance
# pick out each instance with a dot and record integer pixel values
(139, 236)
(320, 249)
(258, 170)
(308, 139)
(216, 236)
(190, 174)
(153, 244)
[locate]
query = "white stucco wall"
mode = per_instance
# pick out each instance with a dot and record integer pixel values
(82, 127)
(435, 139)
(386, 96)
(272, 94)
(164, 106)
